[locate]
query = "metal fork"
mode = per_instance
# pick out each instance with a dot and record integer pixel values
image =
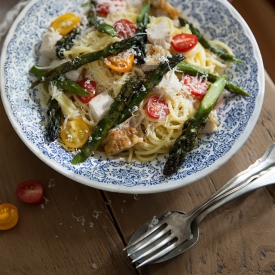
(174, 228)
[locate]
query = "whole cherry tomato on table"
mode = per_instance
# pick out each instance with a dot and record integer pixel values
(30, 191)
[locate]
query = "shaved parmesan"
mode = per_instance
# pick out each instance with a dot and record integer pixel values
(160, 34)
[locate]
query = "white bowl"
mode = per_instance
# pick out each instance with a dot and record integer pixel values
(238, 114)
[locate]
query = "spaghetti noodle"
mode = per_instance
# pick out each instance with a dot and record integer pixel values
(158, 134)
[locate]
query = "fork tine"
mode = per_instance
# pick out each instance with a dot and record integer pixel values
(158, 255)
(151, 240)
(155, 248)
(146, 234)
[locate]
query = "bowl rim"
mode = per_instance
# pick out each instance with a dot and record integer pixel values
(147, 189)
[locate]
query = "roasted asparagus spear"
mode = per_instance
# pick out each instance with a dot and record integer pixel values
(61, 82)
(207, 45)
(132, 93)
(143, 18)
(192, 127)
(152, 80)
(112, 49)
(99, 24)
(128, 90)
(66, 43)
(142, 21)
(54, 124)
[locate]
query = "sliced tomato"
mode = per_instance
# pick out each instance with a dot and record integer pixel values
(74, 133)
(125, 28)
(8, 216)
(65, 23)
(184, 42)
(90, 87)
(30, 191)
(123, 62)
(196, 85)
(103, 8)
(157, 107)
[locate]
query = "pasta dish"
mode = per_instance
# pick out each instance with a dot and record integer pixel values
(85, 94)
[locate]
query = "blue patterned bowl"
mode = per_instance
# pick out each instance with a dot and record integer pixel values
(237, 114)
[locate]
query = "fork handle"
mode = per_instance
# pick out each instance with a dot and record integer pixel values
(265, 179)
(243, 178)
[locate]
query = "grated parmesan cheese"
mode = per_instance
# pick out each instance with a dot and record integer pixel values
(96, 214)
(51, 183)
(94, 265)
(160, 34)
(153, 222)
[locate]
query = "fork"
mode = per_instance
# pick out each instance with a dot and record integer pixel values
(174, 228)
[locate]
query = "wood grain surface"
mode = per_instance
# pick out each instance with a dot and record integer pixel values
(80, 230)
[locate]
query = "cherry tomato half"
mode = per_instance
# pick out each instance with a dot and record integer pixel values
(90, 87)
(104, 7)
(125, 28)
(157, 108)
(197, 86)
(74, 133)
(30, 191)
(184, 42)
(122, 62)
(8, 216)
(65, 23)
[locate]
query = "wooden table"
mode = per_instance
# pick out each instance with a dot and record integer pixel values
(81, 230)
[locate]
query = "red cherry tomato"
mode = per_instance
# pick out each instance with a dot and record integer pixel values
(125, 28)
(196, 85)
(184, 42)
(90, 87)
(30, 191)
(157, 108)
(104, 7)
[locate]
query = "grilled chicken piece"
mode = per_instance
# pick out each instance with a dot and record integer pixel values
(160, 34)
(154, 55)
(49, 40)
(120, 139)
(169, 86)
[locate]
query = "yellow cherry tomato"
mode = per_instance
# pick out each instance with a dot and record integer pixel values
(65, 23)
(8, 216)
(121, 63)
(74, 133)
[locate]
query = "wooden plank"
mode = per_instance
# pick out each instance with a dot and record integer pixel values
(57, 237)
(238, 238)
(70, 232)
(260, 17)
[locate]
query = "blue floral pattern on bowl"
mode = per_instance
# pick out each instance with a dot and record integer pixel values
(26, 108)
